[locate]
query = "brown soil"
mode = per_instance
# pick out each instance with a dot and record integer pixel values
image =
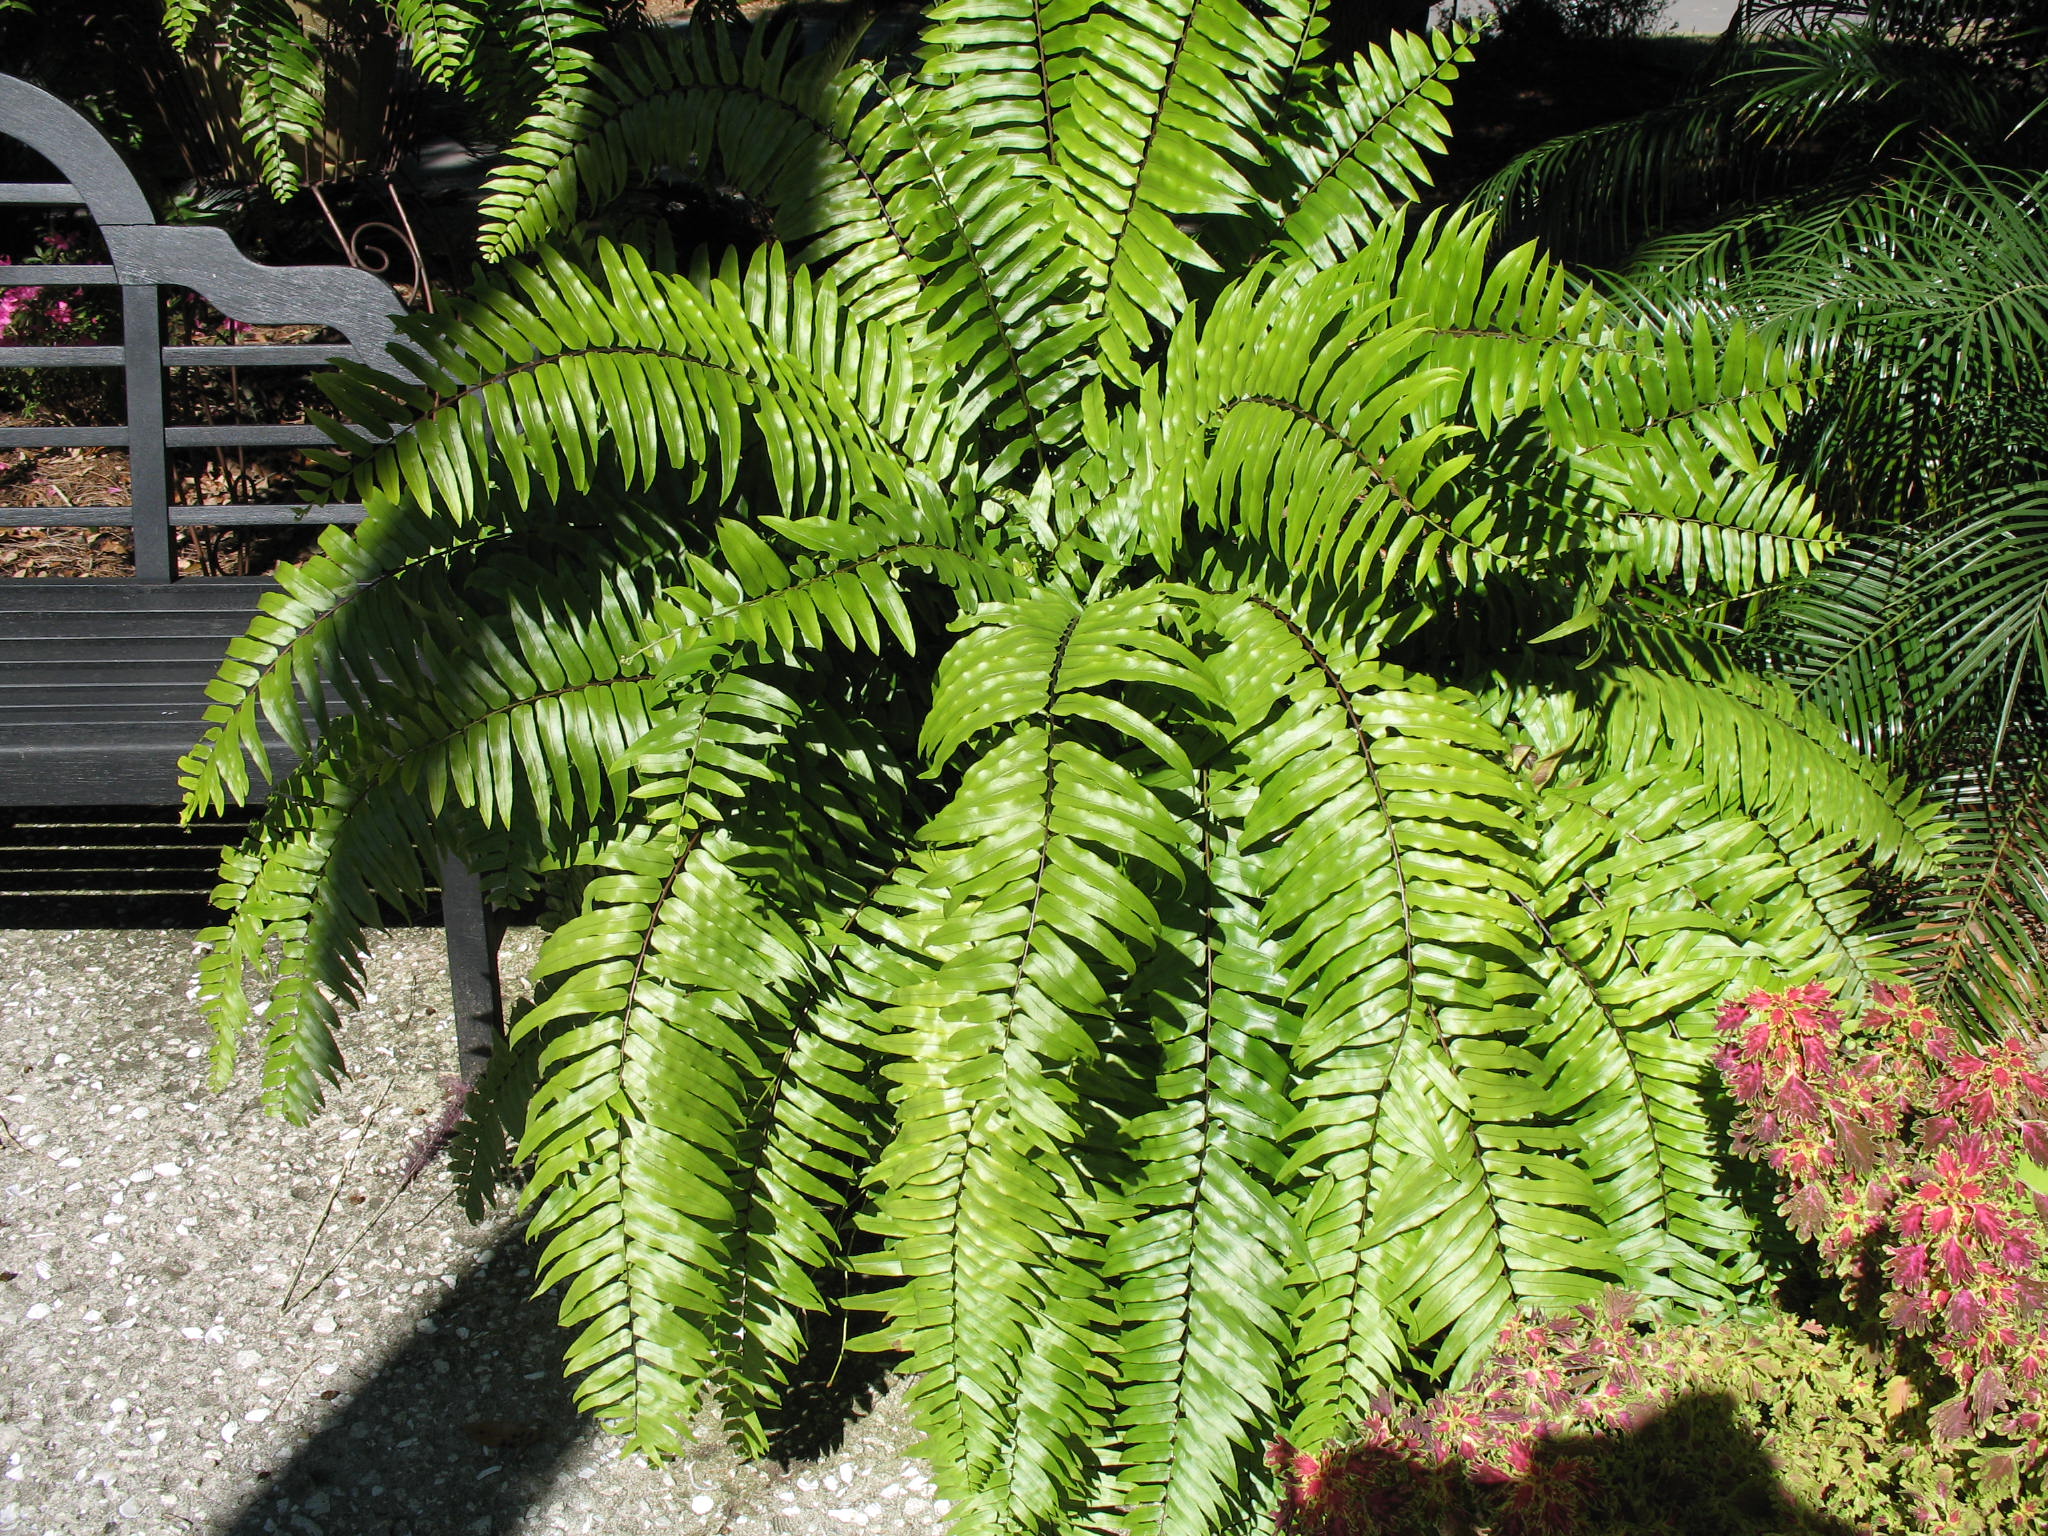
(677, 10)
(63, 477)
(98, 477)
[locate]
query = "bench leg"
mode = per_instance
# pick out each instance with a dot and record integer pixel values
(472, 967)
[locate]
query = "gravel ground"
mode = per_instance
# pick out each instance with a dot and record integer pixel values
(211, 1321)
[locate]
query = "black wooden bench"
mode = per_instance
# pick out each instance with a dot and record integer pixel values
(102, 679)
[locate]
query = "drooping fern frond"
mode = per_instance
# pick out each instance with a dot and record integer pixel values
(638, 1126)
(1199, 1272)
(1041, 927)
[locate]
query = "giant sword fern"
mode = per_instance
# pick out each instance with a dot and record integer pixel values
(1139, 732)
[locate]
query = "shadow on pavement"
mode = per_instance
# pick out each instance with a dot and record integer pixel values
(459, 1431)
(463, 1428)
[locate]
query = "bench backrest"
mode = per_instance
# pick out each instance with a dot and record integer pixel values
(144, 257)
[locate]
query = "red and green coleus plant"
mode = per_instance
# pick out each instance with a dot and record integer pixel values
(1911, 1160)
(1490, 1454)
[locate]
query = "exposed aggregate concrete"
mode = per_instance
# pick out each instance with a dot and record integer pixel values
(211, 1321)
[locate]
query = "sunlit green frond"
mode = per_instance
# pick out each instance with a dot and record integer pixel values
(302, 898)
(814, 1131)
(843, 582)
(667, 992)
(1387, 832)
(1762, 751)
(1003, 293)
(518, 724)
(1025, 914)
(564, 371)
(1296, 414)
(992, 63)
(1352, 155)
(1199, 1273)
(350, 627)
(1642, 890)
(1165, 112)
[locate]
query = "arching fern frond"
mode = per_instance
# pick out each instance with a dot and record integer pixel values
(786, 130)
(668, 1006)
(1766, 754)
(303, 898)
(1162, 124)
(1025, 914)
(563, 371)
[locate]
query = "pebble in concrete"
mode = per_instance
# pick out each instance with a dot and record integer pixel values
(211, 1321)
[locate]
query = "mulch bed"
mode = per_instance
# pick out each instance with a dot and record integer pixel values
(98, 477)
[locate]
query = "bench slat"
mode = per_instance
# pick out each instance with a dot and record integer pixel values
(130, 764)
(79, 356)
(237, 436)
(284, 515)
(305, 354)
(103, 683)
(63, 437)
(47, 653)
(56, 275)
(119, 594)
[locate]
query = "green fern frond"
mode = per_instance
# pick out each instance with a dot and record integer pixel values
(1352, 157)
(1162, 123)
(1763, 752)
(304, 897)
(1199, 1272)
(564, 371)
(1632, 873)
(754, 114)
(1041, 920)
(669, 1010)
(1386, 832)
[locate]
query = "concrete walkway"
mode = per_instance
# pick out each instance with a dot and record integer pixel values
(211, 1321)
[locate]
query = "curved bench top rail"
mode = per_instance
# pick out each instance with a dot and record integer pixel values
(144, 256)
